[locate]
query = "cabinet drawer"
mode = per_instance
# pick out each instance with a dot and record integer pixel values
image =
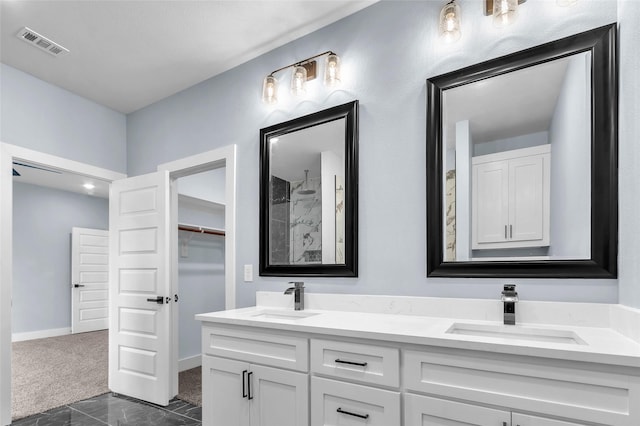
(364, 363)
(423, 410)
(264, 348)
(518, 419)
(550, 387)
(339, 403)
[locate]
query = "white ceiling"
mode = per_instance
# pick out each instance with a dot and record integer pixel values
(512, 104)
(129, 54)
(36, 174)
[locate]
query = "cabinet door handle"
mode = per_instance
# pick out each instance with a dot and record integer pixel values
(511, 231)
(505, 232)
(348, 413)
(342, 361)
(244, 381)
(249, 396)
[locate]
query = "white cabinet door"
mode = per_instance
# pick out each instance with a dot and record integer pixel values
(278, 397)
(336, 403)
(490, 202)
(225, 392)
(140, 327)
(510, 199)
(89, 280)
(426, 411)
(526, 420)
(526, 207)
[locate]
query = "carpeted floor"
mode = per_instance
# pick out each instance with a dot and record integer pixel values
(190, 386)
(57, 371)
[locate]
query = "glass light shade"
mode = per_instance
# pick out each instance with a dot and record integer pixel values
(505, 12)
(566, 2)
(299, 81)
(449, 25)
(332, 70)
(270, 90)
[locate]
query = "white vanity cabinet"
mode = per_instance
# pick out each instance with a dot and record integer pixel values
(510, 199)
(244, 389)
(307, 376)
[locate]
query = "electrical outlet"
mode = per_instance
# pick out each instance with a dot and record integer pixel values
(248, 273)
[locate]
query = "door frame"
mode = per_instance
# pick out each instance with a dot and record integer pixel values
(9, 153)
(206, 161)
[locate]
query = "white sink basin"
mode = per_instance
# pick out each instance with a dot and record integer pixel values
(517, 333)
(283, 315)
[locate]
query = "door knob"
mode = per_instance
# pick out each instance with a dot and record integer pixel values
(159, 300)
(78, 285)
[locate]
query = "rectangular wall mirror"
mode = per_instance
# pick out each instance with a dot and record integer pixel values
(308, 195)
(522, 163)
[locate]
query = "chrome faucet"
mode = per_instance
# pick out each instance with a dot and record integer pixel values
(298, 294)
(509, 298)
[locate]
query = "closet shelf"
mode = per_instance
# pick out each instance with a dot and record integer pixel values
(200, 229)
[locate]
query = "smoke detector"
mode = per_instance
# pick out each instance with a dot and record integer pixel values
(41, 42)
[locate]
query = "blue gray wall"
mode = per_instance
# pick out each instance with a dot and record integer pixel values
(629, 155)
(388, 50)
(200, 272)
(46, 118)
(42, 222)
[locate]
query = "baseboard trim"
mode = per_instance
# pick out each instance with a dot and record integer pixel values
(189, 363)
(40, 334)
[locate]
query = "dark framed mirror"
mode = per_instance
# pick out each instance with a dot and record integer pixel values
(309, 195)
(522, 163)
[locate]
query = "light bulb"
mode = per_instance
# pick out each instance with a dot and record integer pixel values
(270, 90)
(449, 25)
(299, 81)
(332, 70)
(505, 12)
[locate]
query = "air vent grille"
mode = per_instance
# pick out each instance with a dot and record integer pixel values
(41, 42)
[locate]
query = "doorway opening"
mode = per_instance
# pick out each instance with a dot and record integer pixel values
(39, 207)
(201, 269)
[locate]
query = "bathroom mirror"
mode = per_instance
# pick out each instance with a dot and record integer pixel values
(309, 195)
(522, 163)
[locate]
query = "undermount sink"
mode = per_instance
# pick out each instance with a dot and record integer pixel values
(283, 315)
(517, 333)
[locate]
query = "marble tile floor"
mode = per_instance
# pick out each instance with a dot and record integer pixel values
(120, 410)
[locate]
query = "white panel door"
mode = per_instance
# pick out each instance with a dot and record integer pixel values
(278, 397)
(140, 291)
(89, 280)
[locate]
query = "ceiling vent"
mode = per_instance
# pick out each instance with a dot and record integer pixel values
(41, 42)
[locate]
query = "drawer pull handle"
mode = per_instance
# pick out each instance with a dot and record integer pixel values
(360, 416)
(341, 361)
(244, 381)
(249, 395)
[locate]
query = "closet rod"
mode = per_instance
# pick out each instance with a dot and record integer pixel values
(201, 230)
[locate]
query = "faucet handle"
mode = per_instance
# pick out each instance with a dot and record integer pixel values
(297, 284)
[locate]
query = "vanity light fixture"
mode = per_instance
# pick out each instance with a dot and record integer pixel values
(504, 12)
(449, 26)
(303, 71)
